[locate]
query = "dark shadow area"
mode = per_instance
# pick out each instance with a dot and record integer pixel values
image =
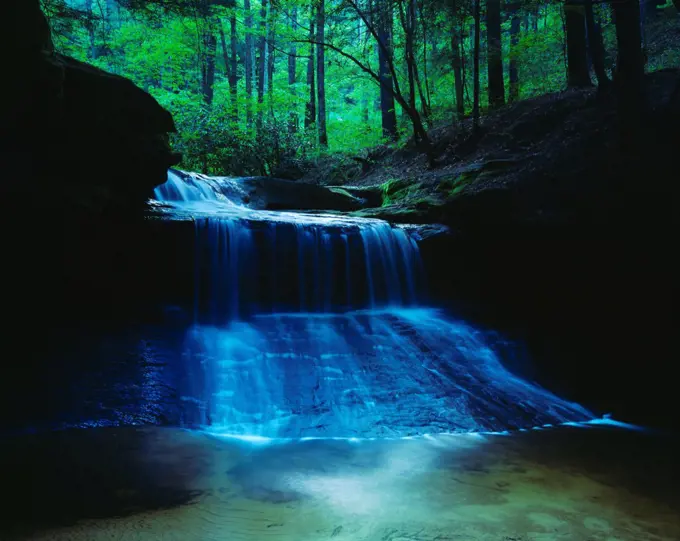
(60, 478)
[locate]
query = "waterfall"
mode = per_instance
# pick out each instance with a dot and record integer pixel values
(184, 189)
(317, 325)
(251, 267)
(374, 373)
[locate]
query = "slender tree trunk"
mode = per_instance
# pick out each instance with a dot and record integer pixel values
(321, 72)
(577, 51)
(476, 91)
(208, 63)
(630, 69)
(92, 52)
(457, 61)
(233, 70)
(408, 24)
(233, 114)
(387, 106)
(424, 101)
(271, 58)
(310, 111)
(292, 75)
(427, 107)
(261, 66)
(248, 62)
(596, 46)
(534, 18)
(513, 65)
(495, 54)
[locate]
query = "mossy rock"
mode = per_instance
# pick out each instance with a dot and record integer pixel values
(451, 186)
(399, 191)
(424, 210)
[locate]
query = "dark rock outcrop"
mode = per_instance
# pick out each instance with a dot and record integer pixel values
(73, 137)
(576, 259)
(279, 194)
(81, 151)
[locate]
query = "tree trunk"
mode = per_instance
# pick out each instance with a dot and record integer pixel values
(476, 91)
(208, 64)
(513, 67)
(261, 66)
(248, 62)
(596, 46)
(457, 61)
(310, 110)
(233, 70)
(228, 68)
(629, 74)
(271, 58)
(495, 52)
(321, 72)
(536, 12)
(387, 107)
(407, 18)
(427, 107)
(577, 51)
(92, 51)
(292, 76)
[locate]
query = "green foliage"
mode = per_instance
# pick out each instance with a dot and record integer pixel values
(162, 46)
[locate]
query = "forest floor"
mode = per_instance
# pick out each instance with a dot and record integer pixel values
(550, 149)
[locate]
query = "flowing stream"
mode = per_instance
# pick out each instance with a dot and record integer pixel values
(310, 325)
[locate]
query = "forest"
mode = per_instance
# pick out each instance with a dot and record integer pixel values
(253, 84)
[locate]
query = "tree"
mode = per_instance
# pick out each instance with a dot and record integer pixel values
(271, 57)
(457, 64)
(630, 70)
(261, 65)
(310, 109)
(383, 33)
(476, 91)
(596, 45)
(513, 67)
(248, 62)
(495, 53)
(578, 75)
(292, 73)
(209, 52)
(230, 59)
(321, 72)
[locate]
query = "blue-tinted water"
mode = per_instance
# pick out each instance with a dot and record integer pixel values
(317, 325)
(248, 267)
(371, 373)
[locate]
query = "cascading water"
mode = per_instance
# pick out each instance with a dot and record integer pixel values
(286, 264)
(184, 189)
(313, 325)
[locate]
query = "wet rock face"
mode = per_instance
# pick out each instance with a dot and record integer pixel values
(72, 134)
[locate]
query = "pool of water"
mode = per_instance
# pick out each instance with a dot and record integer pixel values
(594, 483)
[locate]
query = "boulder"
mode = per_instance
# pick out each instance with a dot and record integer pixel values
(267, 193)
(71, 135)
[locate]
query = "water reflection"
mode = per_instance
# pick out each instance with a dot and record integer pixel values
(138, 484)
